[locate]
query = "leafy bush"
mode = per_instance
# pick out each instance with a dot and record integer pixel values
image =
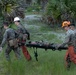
(58, 8)
(29, 9)
(1, 29)
(34, 7)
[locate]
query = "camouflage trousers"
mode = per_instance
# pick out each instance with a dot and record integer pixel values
(9, 49)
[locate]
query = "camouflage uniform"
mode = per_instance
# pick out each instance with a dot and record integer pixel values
(67, 38)
(10, 35)
(20, 31)
(74, 30)
(70, 39)
(71, 52)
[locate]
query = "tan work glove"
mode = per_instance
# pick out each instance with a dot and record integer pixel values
(59, 45)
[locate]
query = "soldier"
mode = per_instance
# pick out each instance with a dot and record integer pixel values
(72, 27)
(23, 36)
(10, 39)
(69, 41)
(66, 27)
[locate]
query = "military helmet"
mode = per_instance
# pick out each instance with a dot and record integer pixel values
(65, 23)
(5, 24)
(16, 19)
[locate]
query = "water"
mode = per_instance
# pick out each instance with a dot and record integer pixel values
(32, 17)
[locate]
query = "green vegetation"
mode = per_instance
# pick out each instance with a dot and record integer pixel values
(10, 9)
(50, 62)
(34, 8)
(57, 11)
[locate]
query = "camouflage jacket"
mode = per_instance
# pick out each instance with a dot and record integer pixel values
(68, 38)
(22, 30)
(8, 35)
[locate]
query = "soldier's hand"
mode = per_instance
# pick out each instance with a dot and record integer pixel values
(59, 45)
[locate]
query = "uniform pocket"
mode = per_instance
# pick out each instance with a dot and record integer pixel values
(13, 42)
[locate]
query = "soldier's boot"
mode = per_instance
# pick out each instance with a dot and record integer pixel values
(68, 63)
